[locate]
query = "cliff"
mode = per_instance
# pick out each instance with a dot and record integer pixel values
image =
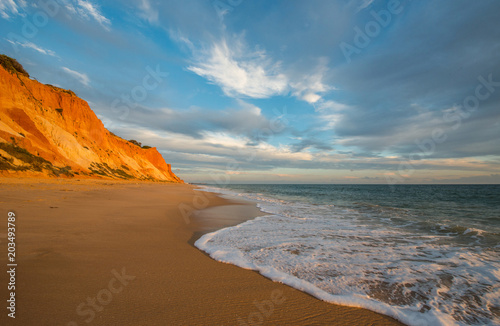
(49, 131)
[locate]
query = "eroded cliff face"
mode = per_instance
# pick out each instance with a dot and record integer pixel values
(48, 131)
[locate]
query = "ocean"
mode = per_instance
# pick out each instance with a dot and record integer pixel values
(423, 254)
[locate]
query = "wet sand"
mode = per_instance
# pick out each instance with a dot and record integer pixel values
(96, 252)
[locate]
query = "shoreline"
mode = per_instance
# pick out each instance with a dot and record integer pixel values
(121, 253)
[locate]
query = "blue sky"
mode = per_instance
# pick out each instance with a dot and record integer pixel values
(249, 91)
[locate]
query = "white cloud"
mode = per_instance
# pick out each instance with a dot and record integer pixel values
(224, 139)
(33, 46)
(70, 8)
(147, 12)
(12, 7)
(331, 112)
(242, 72)
(82, 78)
(239, 71)
(331, 106)
(87, 10)
(361, 4)
(311, 97)
(310, 87)
(220, 146)
(364, 4)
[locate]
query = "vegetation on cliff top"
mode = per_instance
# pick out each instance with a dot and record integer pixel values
(136, 143)
(12, 65)
(59, 89)
(13, 157)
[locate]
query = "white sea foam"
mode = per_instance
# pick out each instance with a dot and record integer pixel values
(340, 256)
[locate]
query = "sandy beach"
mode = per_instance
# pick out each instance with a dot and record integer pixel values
(99, 252)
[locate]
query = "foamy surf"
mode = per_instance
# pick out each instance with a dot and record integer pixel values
(342, 256)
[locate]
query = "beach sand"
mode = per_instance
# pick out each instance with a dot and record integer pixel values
(96, 252)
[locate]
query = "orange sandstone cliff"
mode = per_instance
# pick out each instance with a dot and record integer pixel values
(47, 131)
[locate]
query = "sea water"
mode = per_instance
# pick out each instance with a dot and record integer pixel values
(423, 254)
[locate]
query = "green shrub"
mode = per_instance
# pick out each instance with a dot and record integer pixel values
(59, 89)
(11, 65)
(105, 170)
(135, 142)
(23, 155)
(33, 163)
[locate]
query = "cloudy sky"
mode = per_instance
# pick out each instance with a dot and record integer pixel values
(284, 91)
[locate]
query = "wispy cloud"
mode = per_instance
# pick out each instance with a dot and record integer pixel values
(331, 113)
(33, 46)
(244, 120)
(147, 12)
(216, 148)
(82, 78)
(240, 72)
(309, 143)
(87, 10)
(227, 77)
(219, 147)
(310, 87)
(362, 4)
(9, 8)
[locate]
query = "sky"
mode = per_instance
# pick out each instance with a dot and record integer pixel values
(283, 91)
